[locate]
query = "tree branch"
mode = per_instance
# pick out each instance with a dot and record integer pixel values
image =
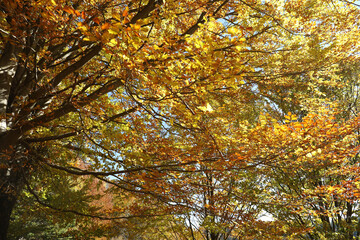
(145, 11)
(51, 138)
(37, 198)
(122, 114)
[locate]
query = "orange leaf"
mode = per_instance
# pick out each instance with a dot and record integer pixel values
(96, 20)
(77, 13)
(126, 12)
(69, 10)
(105, 26)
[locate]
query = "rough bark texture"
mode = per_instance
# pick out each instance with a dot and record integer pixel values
(7, 203)
(8, 182)
(11, 186)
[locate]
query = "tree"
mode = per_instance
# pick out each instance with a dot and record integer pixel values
(67, 194)
(328, 193)
(142, 88)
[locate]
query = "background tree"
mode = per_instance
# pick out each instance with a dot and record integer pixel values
(330, 191)
(34, 218)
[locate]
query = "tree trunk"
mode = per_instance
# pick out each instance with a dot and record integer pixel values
(7, 203)
(12, 181)
(10, 177)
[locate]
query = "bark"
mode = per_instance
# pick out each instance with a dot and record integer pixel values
(7, 203)
(8, 192)
(11, 185)
(7, 71)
